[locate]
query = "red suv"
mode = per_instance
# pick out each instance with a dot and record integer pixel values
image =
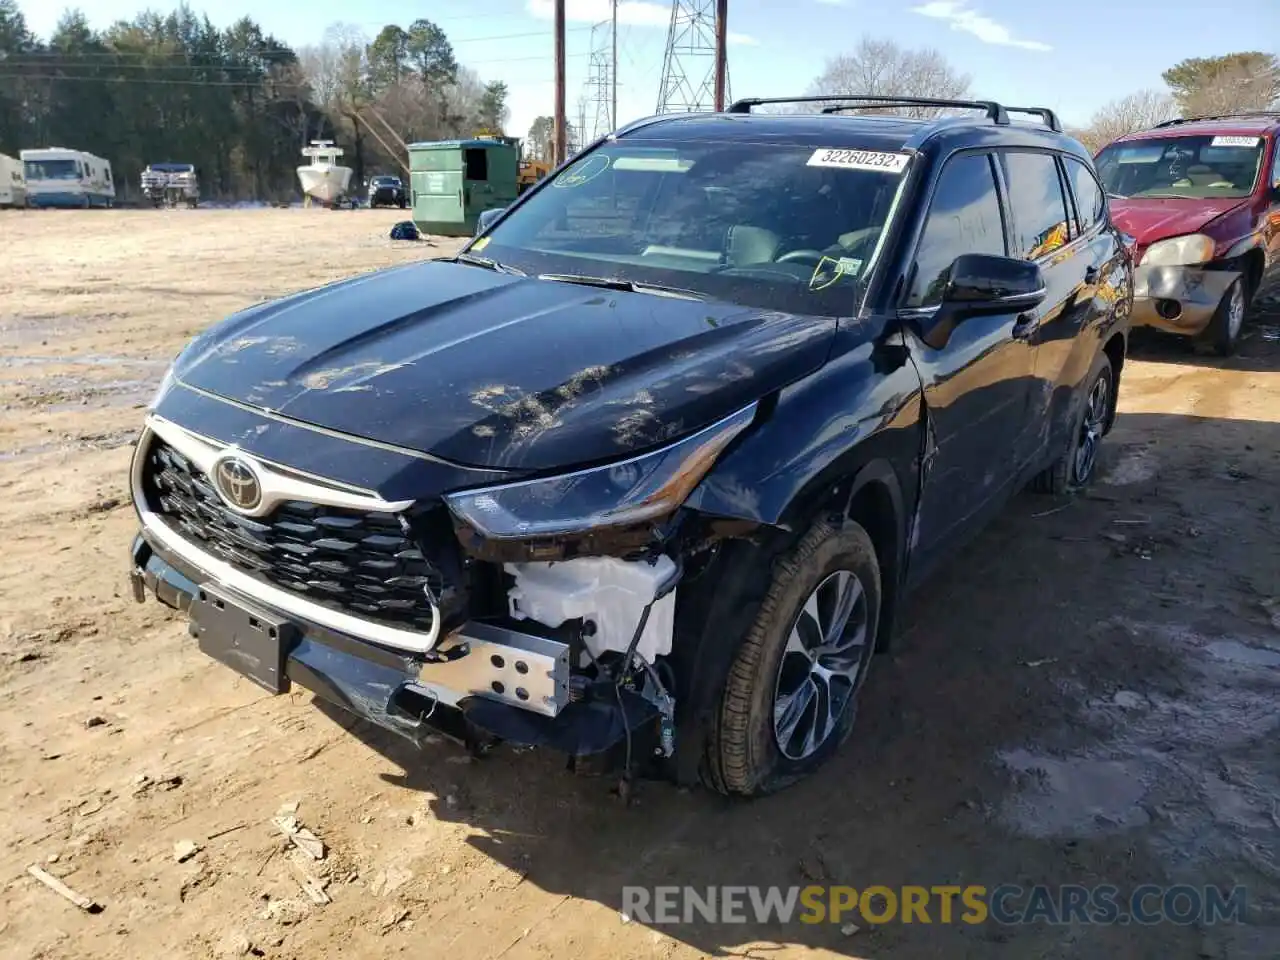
(1201, 198)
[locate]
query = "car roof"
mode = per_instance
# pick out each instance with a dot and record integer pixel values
(1242, 125)
(862, 131)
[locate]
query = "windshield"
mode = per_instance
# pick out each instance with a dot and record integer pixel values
(386, 181)
(777, 226)
(52, 169)
(1203, 167)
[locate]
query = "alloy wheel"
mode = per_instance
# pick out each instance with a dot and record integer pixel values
(1235, 312)
(1091, 429)
(821, 666)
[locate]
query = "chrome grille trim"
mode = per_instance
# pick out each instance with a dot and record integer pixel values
(412, 641)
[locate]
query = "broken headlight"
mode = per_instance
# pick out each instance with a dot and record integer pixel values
(1179, 251)
(617, 494)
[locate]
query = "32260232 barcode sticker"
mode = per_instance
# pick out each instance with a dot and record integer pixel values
(1234, 142)
(858, 159)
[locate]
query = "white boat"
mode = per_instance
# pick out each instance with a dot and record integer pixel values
(323, 178)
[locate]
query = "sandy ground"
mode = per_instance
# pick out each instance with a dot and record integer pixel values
(1089, 695)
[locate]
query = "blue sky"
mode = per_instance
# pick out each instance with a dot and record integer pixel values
(1071, 56)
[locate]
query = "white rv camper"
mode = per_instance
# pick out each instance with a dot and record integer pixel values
(13, 188)
(58, 177)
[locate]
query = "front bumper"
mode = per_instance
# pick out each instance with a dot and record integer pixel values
(386, 196)
(1180, 299)
(485, 683)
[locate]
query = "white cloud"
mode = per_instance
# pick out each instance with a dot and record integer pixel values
(636, 13)
(741, 40)
(970, 21)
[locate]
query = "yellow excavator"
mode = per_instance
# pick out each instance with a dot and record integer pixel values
(530, 171)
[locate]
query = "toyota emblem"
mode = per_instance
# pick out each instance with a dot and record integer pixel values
(237, 483)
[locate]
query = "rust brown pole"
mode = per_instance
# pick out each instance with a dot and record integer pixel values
(722, 50)
(561, 147)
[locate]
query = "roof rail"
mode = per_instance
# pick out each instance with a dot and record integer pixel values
(1044, 113)
(1219, 116)
(994, 111)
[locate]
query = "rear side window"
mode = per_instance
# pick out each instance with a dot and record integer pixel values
(1090, 204)
(1039, 209)
(964, 217)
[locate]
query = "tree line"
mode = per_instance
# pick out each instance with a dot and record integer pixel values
(237, 102)
(1198, 86)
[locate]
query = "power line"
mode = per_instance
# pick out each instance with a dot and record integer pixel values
(170, 81)
(56, 64)
(259, 51)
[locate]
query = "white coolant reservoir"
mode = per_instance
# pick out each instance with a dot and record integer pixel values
(611, 593)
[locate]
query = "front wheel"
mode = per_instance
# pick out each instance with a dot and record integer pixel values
(791, 693)
(1228, 320)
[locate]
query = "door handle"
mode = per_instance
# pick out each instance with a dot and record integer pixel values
(1091, 275)
(1025, 326)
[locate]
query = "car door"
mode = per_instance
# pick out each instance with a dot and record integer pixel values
(1271, 221)
(975, 387)
(1076, 253)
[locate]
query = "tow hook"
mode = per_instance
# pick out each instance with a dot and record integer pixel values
(138, 585)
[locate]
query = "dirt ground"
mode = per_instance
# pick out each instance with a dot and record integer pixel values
(1091, 694)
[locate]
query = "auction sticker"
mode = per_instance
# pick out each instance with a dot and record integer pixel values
(858, 159)
(1235, 142)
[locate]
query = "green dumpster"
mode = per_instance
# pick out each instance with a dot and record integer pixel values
(452, 182)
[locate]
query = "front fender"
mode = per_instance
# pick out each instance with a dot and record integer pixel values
(863, 406)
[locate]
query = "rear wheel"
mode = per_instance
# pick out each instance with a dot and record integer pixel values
(1077, 461)
(791, 694)
(1228, 320)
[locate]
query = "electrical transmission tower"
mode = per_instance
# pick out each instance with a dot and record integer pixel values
(689, 67)
(599, 83)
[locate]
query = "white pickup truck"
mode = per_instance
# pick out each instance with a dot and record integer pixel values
(169, 184)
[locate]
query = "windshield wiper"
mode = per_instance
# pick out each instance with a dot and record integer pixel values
(1116, 196)
(614, 283)
(1166, 196)
(473, 260)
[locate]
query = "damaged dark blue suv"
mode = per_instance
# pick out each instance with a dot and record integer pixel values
(643, 475)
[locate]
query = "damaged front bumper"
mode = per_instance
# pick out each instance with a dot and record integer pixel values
(483, 683)
(1179, 299)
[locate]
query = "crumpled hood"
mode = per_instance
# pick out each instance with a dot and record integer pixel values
(501, 371)
(1148, 221)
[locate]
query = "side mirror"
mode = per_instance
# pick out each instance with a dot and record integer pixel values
(487, 218)
(980, 284)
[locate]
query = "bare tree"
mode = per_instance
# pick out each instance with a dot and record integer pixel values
(882, 68)
(1137, 111)
(334, 68)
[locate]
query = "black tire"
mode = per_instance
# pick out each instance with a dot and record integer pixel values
(1223, 332)
(743, 752)
(1063, 475)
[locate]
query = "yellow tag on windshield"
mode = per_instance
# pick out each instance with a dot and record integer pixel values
(480, 244)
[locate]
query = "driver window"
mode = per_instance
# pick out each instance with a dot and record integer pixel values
(964, 217)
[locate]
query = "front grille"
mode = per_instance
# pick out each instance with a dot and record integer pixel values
(363, 564)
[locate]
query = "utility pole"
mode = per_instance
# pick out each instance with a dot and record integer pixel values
(613, 112)
(561, 140)
(722, 50)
